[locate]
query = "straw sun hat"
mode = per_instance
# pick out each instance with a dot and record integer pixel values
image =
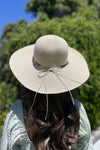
(49, 66)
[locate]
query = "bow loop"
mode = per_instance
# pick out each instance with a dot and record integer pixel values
(43, 72)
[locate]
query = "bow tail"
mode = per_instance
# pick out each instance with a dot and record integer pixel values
(66, 88)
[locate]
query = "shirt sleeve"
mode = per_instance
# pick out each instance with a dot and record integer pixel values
(14, 135)
(5, 135)
(85, 140)
(8, 126)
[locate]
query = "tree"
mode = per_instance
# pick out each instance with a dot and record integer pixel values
(58, 8)
(53, 8)
(9, 28)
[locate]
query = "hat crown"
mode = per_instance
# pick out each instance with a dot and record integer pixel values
(51, 50)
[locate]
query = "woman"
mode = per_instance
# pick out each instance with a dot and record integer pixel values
(47, 117)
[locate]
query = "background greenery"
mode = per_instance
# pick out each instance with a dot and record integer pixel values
(78, 22)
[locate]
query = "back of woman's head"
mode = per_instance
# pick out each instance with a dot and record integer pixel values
(60, 130)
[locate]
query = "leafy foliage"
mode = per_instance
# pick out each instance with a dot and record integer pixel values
(53, 8)
(2, 120)
(58, 8)
(8, 94)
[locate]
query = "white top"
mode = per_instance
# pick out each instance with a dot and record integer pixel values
(15, 137)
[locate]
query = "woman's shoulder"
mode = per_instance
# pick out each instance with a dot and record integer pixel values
(81, 108)
(78, 104)
(83, 113)
(14, 124)
(85, 128)
(15, 114)
(14, 110)
(14, 119)
(17, 105)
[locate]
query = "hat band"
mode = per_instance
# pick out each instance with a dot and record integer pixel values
(39, 66)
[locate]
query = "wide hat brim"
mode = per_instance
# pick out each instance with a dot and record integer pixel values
(71, 76)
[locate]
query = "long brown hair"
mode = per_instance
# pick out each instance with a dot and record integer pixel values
(61, 128)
